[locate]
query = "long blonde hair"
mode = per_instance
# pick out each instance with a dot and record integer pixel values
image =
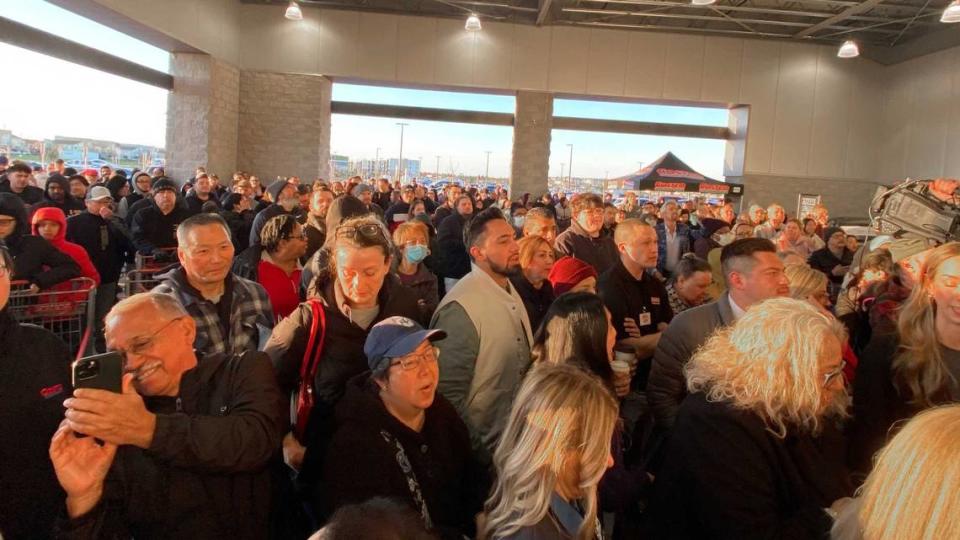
(769, 363)
(560, 408)
(804, 280)
(918, 366)
(912, 492)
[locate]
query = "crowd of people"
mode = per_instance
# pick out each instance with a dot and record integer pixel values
(363, 359)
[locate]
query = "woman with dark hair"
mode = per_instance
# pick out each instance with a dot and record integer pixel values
(688, 286)
(34, 381)
(915, 368)
(357, 292)
(577, 330)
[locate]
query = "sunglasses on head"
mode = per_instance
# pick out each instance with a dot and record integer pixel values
(370, 230)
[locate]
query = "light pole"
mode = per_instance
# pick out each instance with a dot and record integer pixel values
(486, 176)
(570, 165)
(377, 163)
(438, 167)
(400, 160)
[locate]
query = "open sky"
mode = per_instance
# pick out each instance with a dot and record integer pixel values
(60, 98)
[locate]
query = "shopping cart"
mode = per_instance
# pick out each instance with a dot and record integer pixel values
(146, 273)
(67, 309)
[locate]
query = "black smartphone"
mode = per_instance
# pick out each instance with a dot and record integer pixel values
(100, 371)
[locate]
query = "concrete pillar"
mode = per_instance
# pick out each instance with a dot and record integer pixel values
(201, 116)
(284, 125)
(531, 144)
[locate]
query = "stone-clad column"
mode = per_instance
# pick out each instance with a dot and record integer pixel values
(284, 125)
(531, 144)
(202, 112)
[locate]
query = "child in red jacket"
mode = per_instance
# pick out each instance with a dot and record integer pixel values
(51, 224)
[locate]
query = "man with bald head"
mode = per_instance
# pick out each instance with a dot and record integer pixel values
(638, 302)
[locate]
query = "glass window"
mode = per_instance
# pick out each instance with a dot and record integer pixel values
(435, 99)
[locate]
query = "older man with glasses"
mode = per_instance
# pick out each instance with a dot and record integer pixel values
(196, 432)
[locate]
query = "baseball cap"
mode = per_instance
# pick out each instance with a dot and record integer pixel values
(396, 336)
(98, 193)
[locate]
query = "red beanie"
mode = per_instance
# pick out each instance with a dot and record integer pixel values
(567, 272)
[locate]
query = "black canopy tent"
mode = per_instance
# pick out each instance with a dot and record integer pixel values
(668, 173)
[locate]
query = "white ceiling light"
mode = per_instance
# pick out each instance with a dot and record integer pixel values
(702, 2)
(473, 23)
(849, 49)
(293, 12)
(952, 13)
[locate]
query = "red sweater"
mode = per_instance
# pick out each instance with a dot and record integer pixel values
(283, 289)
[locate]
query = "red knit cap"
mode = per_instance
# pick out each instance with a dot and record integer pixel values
(567, 272)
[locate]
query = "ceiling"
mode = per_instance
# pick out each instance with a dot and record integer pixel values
(885, 28)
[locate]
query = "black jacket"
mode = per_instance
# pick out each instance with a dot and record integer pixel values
(600, 252)
(34, 381)
(825, 261)
(382, 199)
(726, 476)
(246, 264)
(205, 475)
(29, 196)
(360, 464)
(196, 205)
(316, 231)
(105, 242)
(536, 302)
(454, 260)
(34, 259)
(69, 204)
(342, 356)
(153, 230)
(400, 207)
(240, 224)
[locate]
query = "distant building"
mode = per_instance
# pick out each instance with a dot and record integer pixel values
(409, 171)
(340, 166)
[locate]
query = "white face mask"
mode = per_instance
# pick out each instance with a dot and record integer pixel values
(725, 238)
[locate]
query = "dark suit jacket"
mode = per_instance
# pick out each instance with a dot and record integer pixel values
(687, 332)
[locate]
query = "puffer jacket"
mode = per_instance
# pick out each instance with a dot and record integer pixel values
(34, 259)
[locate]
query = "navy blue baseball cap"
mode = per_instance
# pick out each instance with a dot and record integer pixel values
(394, 337)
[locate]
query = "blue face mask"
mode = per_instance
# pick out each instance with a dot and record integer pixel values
(415, 253)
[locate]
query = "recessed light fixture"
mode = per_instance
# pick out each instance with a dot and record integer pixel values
(293, 12)
(952, 13)
(702, 2)
(849, 49)
(473, 23)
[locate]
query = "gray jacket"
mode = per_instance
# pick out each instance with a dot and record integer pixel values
(687, 332)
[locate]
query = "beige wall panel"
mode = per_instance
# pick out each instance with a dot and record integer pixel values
(568, 59)
(646, 65)
(930, 105)
(952, 142)
(831, 114)
(865, 126)
(684, 68)
(896, 123)
(339, 32)
(529, 67)
(722, 62)
(758, 89)
(607, 62)
(416, 48)
(455, 53)
(377, 47)
(792, 124)
(494, 47)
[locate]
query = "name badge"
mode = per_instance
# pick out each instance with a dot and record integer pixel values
(645, 319)
(655, 300)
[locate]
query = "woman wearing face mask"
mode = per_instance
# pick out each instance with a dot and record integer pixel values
(716, 233)
(357, 292)
(413, 245)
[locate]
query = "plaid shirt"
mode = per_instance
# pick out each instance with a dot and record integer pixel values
(250, 313)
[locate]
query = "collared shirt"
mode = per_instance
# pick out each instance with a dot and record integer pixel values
(234, 324)
(644, 300)
(736, 309)
(673, 249)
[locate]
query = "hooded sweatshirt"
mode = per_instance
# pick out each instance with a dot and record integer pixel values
(273, 210)
(75, 251)
(69, 204)
(34, 259)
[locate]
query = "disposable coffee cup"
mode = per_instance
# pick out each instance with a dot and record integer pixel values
(625, 356)
(619, 366)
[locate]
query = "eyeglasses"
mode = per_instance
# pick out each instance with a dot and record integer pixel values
(370, 231)
(7, 222)
(827, 377)
(142, 345)
(413, 362)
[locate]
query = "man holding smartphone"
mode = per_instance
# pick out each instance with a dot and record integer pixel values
(196, 433)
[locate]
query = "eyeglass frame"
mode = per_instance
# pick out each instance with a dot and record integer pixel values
(145, 346)
(430, 355)
(827, 377)
(352, 231)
